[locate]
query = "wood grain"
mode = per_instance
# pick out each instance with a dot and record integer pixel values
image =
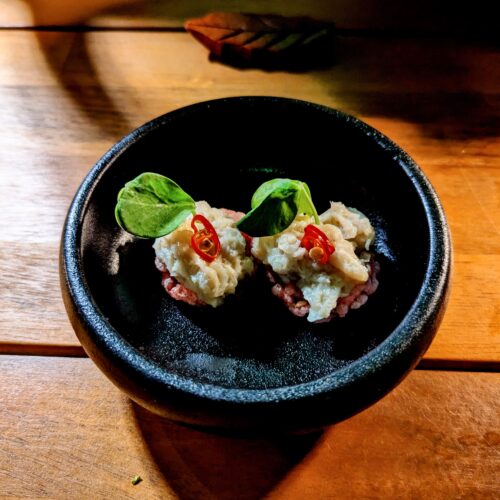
(67, 97)
(71, 434)
(31, 289)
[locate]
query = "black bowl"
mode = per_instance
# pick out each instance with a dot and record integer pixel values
(250, 363)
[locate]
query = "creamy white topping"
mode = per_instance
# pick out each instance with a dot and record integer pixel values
(210, 281)
(321, 284)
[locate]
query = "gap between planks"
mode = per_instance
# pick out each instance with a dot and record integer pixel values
(346, 32)
(32, 349)
(77, 351)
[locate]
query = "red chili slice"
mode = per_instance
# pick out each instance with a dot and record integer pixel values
(318, 245)
(205, 241)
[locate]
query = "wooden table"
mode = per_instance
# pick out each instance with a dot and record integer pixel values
(66, 96)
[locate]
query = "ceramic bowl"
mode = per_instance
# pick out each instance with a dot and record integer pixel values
(250, 363)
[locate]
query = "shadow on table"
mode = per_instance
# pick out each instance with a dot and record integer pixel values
(68, 57)
(198, 464)
(444, 86)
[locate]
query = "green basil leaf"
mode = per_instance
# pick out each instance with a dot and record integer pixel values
(152, 205)
(275, 205)
(305, 204)
(265, 189)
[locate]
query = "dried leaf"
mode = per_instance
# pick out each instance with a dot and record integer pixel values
(269, 41)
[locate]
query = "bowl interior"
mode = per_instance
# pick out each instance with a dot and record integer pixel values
(222, 152)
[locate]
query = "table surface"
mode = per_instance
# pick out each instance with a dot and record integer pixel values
(67, 95)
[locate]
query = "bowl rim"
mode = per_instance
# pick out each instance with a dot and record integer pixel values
(409, 331)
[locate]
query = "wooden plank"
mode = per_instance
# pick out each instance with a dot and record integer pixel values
(417, 443)
(66, 98)
(30, 296)
(70, 433)
(386, 15)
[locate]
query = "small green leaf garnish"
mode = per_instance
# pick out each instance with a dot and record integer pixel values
(152, 205)
(136, 480)
(275, 205)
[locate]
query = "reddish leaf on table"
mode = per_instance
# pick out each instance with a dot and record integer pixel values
(269, 41)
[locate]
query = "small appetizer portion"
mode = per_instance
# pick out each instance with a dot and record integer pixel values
(198, 249)
(204, 258)
(319, 266)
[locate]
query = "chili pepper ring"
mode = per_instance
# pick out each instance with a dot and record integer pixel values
(318, 245)
(205, 241)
